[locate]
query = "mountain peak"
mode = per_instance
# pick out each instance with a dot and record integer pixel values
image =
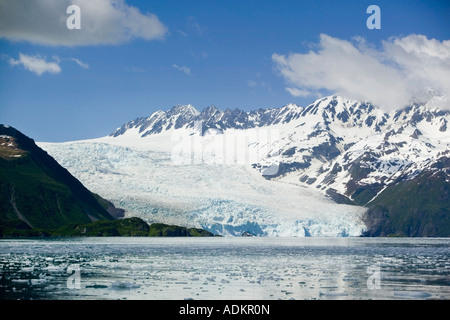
(345, 112)
(334, 110)
(292, 106)
(184, 116)
(183, 110)
(210, 108)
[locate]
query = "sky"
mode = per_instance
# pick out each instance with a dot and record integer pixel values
(132, 57)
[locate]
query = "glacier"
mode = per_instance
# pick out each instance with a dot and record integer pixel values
(140, 176)
(270, 172)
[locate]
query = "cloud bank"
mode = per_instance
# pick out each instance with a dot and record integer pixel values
(103, 22)
(37, 64)
(405, 69)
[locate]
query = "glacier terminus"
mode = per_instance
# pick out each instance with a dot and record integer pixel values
(289, 171)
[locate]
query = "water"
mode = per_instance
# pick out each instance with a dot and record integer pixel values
(225, 268)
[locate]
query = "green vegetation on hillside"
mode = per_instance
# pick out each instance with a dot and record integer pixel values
(128, 227)
(35, 189)
(164, 230)
(419, 207)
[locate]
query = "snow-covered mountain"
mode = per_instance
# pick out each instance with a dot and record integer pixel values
(268, 171)
(335, 144)
(211, 118)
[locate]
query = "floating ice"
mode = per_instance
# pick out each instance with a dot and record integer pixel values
(412, 294)
(121, 285)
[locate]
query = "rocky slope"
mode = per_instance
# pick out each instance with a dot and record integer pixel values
(36, 191)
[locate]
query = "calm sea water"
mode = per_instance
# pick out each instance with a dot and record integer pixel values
(225, 268)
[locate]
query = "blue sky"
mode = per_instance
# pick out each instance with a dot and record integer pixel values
(233, 54)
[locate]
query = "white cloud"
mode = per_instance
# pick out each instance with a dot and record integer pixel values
(37, 64)
(299, 92)
(392, 77)
(80, 63)
(102, 22)
(182, 68)
(40, 65)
